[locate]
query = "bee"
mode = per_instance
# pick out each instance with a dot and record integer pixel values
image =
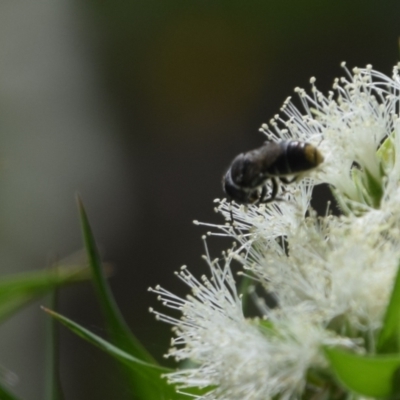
(246, 181)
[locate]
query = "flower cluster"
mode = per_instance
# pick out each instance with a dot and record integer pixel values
(328, 278)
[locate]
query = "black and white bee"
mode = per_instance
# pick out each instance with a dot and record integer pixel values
(246, 181)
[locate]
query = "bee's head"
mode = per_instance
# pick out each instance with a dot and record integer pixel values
(246, 170)
(237, 193)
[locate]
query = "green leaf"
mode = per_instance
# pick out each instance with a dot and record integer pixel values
(371, 376)
(144, 385)
(149, 373)
(374, 188)
(53, 389)
(388, 340)
(6, 395)
(266, 324)
(357, 176)
(386, 152)
(18, 290)
(143, 371)
(118, 329)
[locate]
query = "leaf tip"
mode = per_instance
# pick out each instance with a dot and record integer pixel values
(47, 310)
(79, 201)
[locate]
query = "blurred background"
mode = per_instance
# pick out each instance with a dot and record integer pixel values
(140, 105)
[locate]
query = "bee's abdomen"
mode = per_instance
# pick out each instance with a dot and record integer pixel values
(295, 157)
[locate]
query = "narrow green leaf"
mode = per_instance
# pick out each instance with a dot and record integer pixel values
(267, 325)
(143, 371)
(150, 374)
(6, 395)
(388, 340)
(144, 385)
(18, 290)
(53, 389)
(118, 329)
(386, 152)
(374, 188)
(356, 175)
(371, 376)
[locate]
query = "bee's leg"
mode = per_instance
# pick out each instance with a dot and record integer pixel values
(235, 231)
(231, 222)
(287, 181)
(231, 213)
(262, 195)
(274, 192)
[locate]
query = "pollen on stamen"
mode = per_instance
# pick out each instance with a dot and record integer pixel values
(287, 100)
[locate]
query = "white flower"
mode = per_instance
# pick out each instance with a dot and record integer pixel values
(243, 359)
(348, 125)
(330, 277)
